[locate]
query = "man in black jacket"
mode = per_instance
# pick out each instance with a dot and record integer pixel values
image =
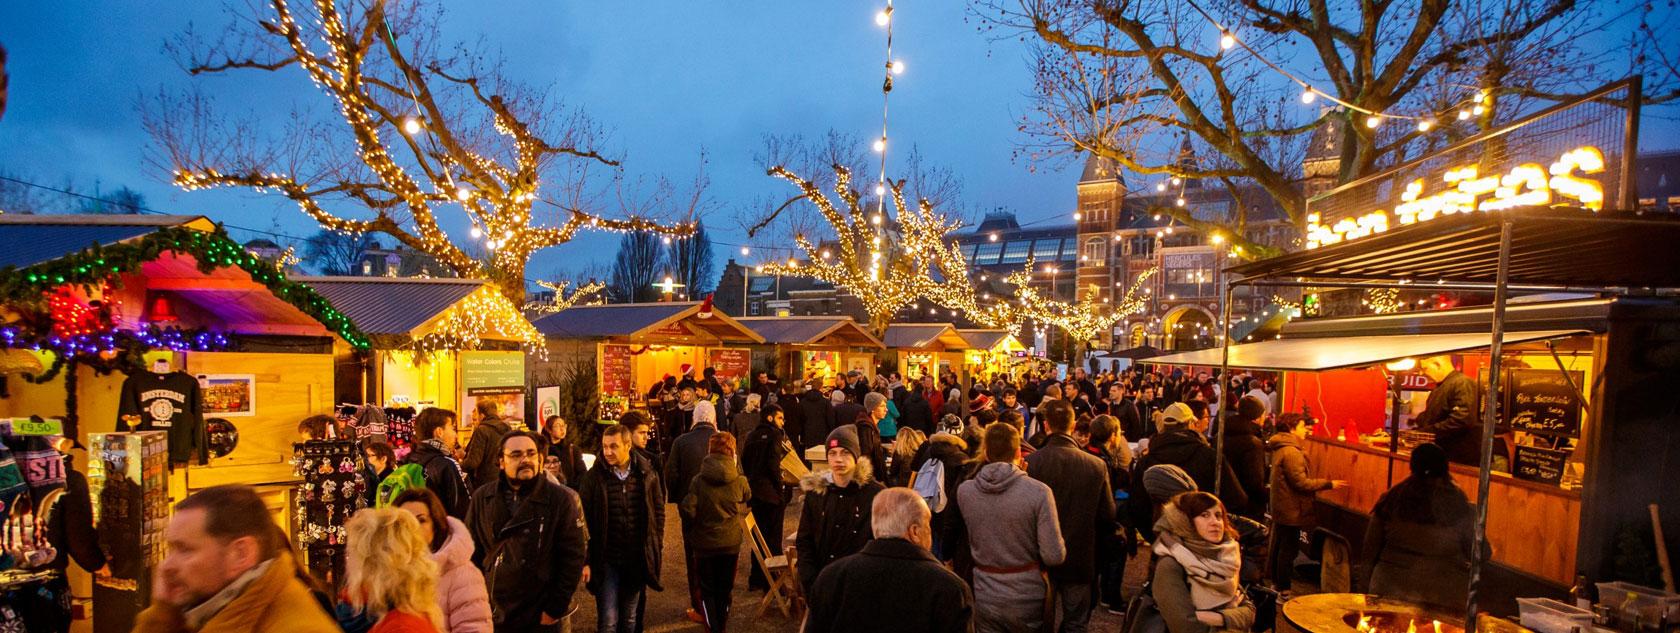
(531, 540)
(1084, 509)
(925, 596)
(435, 453)
(681, 465)
(1453, 411)
(915, 412)
(817, 418)
(1178, 444)
(624, 504)
(834, 522)
(761, 462)
(479, 462)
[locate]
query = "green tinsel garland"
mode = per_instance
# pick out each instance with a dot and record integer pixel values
(26, 288)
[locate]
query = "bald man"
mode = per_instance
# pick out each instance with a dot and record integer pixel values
(927, 596)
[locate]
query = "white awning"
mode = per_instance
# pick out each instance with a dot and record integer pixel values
(1318, 354)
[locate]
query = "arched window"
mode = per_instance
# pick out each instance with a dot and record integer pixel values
(1093, 251)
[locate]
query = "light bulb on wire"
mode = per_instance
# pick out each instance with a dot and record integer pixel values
(897, 67)
(1308, 95)
(1424, 125)
(1463, 115)
(1226, 41)
(881, 144)
(412, 126)
(883, 17)
(744, 251)
(1373, 121)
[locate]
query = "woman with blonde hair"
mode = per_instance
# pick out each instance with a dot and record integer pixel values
(389, 572)
(904, 451)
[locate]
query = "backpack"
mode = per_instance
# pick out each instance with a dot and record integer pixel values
(401, 479)
(930, 484)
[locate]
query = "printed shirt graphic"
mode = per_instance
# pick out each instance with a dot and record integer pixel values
(168, 402)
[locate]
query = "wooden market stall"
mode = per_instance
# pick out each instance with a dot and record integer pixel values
(163, 322)
(817, 347)
(994, 353)
(927, 349)
(446, 343)
(634, 345)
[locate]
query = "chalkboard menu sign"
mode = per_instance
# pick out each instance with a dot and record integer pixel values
(1543, 465)
(1543, 401)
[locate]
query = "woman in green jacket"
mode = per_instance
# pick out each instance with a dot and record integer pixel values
(713, 511)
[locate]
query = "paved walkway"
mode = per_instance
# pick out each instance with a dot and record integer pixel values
(665, 610)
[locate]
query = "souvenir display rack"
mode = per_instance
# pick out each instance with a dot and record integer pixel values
(331, 491)
(128, 478)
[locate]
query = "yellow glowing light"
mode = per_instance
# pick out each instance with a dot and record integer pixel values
(744, 251)
(1373, 121)
(883, 17)
(881, 144)
(1077, 216)
(1404, 364)
(1226, 41)
(462, 193)
(412, 126)
(1217, 238)
(898, 67)
(1424, 125)
(1308, 95)
(1463, 115)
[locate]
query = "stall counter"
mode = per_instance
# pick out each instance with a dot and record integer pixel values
(1534, 528)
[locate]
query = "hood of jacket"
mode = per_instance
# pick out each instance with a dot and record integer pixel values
(820, 482)
(1280, 440)
(1238, 427)
(998, 477)
(719, 469)
(1175, 446)
(457, 549)
(946, 445)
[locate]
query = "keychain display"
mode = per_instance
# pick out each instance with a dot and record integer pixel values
(331, 491)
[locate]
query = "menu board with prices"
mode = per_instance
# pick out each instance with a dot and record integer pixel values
(732, 365)
(1543, 401)
(616, 376)
(1542, 465)
(128, 478)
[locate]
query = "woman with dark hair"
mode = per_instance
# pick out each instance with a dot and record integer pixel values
(380, 460)
(1421, 536)
(461, 593)
(1197, 568)
(564, 460)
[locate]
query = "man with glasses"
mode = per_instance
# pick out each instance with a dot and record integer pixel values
(531, 540)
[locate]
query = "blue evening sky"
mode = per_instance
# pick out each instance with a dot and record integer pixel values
(666, 78)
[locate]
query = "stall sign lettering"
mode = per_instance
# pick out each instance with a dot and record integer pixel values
(1468, 190)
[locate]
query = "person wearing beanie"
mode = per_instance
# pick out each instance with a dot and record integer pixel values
(713, 511)
(835, 520)
(1419, 543)
(687, 456)
(869, 430)
(1178, 444)
(1198, 567)
(1245, 451)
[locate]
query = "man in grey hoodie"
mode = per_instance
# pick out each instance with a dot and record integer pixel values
(1019, 537)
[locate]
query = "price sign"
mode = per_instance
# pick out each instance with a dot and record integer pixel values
(1543, 401)
(1542, 465)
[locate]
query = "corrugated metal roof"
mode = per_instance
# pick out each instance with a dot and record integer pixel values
(810, 330)
(37, 239)
(983, 339)
(609, 320)
(391, 306)
(919, 335)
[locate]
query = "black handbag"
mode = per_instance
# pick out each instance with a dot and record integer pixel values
(1143, 615)
(1265, 601)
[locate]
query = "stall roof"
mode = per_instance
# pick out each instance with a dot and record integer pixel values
(1318, 354)
(994, 340)
(811, 330)
(922, 335)
(37, 239)
(1564, 248)
(645, 321)
(392, 306)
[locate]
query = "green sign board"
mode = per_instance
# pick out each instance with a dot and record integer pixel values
(27, 426)
(492, 369)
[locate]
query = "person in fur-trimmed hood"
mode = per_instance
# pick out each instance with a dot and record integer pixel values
(835, 519)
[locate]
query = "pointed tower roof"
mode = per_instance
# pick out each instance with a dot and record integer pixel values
(1099, 169)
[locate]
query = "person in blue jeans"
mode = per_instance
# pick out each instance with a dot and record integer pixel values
(624, 506)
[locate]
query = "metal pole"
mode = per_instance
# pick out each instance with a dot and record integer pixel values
(1478, 550)
(1629, 199)
(746, 274)
(1224, 380)
(1393, 425)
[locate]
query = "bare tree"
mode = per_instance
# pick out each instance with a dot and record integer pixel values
(334, 253)
(636, 268)
(422, 139)
(1137, 80)
(690, 261)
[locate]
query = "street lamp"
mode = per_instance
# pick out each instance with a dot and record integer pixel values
(668, 287)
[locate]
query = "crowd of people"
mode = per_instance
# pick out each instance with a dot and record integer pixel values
(1012, 504)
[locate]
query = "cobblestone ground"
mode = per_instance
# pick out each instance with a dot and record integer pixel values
(665, 610)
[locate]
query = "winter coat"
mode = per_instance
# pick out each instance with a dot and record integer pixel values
(952, 453)
(744, 422)
(916, 413)
(844, 413)
(571, 462)
(717, 498)
(1246, 455)
(460, 587)
(1424, 561)
(1132, 423)
(70, 526)
(482, 461)
(1292, 488)
(869, 442)
(443, 477)
(532, 555)
(1084, 503)
(1452, 413)
(834, 521)
(1186, 449)
(761, 462)
(683, 462)
(1013, 532)
(818, 420)
(925, 597)
(888, 426)
(594, 497)
(275, 602)
(404, 622)
(1171, 590)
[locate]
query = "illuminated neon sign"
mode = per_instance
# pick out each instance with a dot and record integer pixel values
(1526, 185)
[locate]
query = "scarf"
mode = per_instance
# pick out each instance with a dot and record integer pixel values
(1211, 567)
(198, 616)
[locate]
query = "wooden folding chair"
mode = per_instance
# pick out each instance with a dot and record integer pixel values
(778, 570)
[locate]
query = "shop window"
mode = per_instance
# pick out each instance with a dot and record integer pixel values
(1141, 246)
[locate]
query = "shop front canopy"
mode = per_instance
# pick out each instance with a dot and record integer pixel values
(427, 313)
(667, 323)
(992, 340)
(811, 331)
(1320, 354)
(924, 337)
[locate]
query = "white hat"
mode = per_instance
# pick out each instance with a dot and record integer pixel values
(705, 413)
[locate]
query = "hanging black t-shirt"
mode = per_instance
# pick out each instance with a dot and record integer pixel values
(168, 402)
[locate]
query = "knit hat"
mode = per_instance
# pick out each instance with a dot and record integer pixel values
(1164, 481)
(873, 399)
(1429, 460)
(950, 423)
(837, 396)
(846, 438)
(705, 413)
(1250, 408)
(1176, 414)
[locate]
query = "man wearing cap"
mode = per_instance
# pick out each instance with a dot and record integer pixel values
(1176, 443)
(681, 465)
(835, 520)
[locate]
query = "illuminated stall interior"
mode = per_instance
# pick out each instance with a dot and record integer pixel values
(994, 353)
(927, 349)
(425, 332)
(817, 347)
(634, 345)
